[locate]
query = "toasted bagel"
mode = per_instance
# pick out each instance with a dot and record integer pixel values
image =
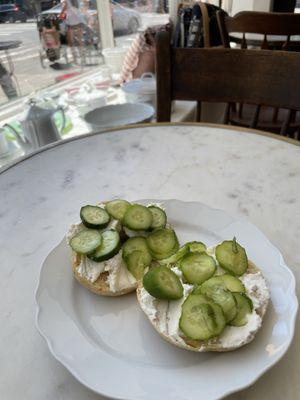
(101, 285)
(214, 344)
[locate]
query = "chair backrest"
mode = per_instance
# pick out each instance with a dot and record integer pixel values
(259, 77)
(263, 23)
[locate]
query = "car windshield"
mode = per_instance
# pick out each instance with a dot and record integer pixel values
(54, 9)
(7, 7)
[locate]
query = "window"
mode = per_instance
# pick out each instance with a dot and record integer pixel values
(49, 43)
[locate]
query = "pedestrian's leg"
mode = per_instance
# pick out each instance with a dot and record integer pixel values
(7, 84)
(70, 36)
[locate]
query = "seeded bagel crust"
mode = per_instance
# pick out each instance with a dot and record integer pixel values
(213, 344)
(100, 286)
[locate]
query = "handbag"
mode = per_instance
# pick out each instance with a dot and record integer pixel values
(197, 26)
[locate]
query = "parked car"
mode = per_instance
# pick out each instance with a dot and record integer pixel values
(12, 13)
(47, 4)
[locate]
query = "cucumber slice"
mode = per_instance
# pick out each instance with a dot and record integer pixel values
(136, 256)
(244, 307)
(137, 243)
(197, 267)
(227, 282)
(196, 246)
(159, 217)
(162, 283)
(86, 241)
(109, 247)
(188, 247)
(233, 284)
(221, 296)
(232, 257)
(175, 257)
(94, 217)
(117, 208)
(137, 262)
(201, 319)
(137, 218)
(162, 243)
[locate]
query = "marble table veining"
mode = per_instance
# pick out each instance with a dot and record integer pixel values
(244, 173)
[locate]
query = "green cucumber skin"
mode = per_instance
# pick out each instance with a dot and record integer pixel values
(121, 205)
(234, 263)
(137, 262)
(192, 262)
(244, 306)
(185, 249)
(106, 256)
(221, 296)
(156, 236)
(161, 214)
(153, 279)
(79, 248)
(233, 283)
(137, 218)
(90, 225)
(228, 282)
(137, 243)
(196, 246)
(193, 303)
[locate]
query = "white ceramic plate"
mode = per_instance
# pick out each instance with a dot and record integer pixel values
(110, 347)
(115, 115)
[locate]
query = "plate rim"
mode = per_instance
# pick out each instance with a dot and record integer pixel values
(59, 357)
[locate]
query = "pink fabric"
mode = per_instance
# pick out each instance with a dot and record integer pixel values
(131, 59)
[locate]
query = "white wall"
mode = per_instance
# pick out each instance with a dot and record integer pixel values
(250, 5)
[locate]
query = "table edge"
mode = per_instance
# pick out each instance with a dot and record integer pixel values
(149, 125)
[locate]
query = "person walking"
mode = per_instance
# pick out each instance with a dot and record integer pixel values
(7, 83)
(75, 24)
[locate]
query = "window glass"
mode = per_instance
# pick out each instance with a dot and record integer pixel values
(132, 16)
(46, 42)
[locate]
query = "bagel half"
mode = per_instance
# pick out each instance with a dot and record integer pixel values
(101, 285)
(215, 344)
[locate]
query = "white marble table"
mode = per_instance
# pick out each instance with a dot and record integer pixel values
(242, 172)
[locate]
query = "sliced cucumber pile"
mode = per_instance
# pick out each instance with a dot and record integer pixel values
(94, 217)
(108, 248)
(232, 257)
(162, 243)
(217, 299)
(161, 282)
(100, 243)
(136, 256)
(221, 296)
(201, 319)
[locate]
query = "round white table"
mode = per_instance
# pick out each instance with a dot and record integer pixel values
(236, 170)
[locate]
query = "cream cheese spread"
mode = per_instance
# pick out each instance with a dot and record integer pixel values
(166, 314)
(119, 277)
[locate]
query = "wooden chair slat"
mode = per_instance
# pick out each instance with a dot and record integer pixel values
(226, 75)
(255, 117)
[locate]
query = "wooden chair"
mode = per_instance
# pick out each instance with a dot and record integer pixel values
(264, 24)
(258, 77)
